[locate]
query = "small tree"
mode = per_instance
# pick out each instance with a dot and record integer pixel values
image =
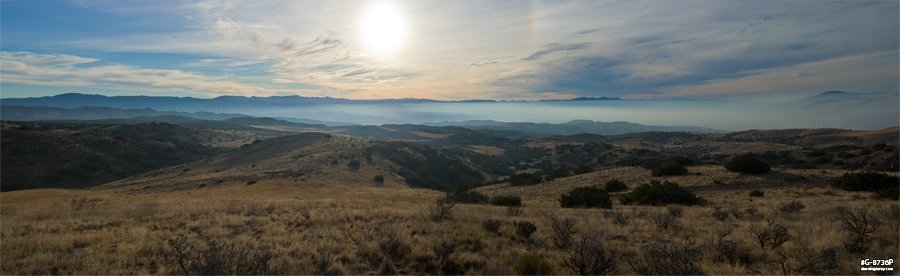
(747, 163)
(586, 197)
(563, 231)
(588, 256)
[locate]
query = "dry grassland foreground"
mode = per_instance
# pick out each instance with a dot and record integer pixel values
(281, 227)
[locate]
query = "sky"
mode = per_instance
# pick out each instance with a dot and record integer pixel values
(449, 50)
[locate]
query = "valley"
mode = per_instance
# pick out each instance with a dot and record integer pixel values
(265, 196)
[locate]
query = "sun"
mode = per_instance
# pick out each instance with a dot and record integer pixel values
(383, 28)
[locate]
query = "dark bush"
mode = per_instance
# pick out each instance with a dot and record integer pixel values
(504, 200)
(491, 225)
(378, 179)
(586, 197)
(885, 186)
(524, 228)
(669, 168)
(756, 193)
(524, 179)
(661, 193)
(470, 197)
(747, 163)
(354, 164)
(532, 264)
(613, 186)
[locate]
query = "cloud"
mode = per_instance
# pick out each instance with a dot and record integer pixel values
(555, 47)
(520, 49)
(68, 70)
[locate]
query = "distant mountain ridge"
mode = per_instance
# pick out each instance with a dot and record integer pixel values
(74, 100)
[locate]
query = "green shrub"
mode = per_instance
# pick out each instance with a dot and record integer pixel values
(378, 179)
(613, 186)
(747, 163)
(884, 186)
(756, 193)
(503, 200)
(586, 197)
(669, 168)
(470, 197)
(532, 264)
(661, 193)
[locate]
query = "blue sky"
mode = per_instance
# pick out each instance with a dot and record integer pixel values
(449, 49)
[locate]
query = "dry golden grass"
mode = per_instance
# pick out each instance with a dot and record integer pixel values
(319, 228)
(486, 150)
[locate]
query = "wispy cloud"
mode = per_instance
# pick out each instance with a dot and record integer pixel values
(68, 70)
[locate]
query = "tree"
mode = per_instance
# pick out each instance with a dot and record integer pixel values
(747, 163)
(661, 193)
(586, 197)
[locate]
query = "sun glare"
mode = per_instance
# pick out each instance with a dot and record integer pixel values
(383, 28)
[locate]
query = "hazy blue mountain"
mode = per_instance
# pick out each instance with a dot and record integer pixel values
(39, 113)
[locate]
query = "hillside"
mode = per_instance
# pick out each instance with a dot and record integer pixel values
(37, 155)
(319, 157)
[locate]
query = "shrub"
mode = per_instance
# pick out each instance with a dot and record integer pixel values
(491, 225)
(664, 258)
(792, 207)
(859, 224)
(621, 218)
(525, 228)
(747, 163)
(354, 164)
(661, 193)
(378, 179)
(756, 193)
(719, 214)
(514, 211)
(666, 220)
(218, 257)
(613, 186)
(563, 230)
(506, 200)
(588, 256)
(470, 197)
(885, 186)
(532, 264)
(771, 236)
(669, 168)
(442, 208)
(586, 197)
